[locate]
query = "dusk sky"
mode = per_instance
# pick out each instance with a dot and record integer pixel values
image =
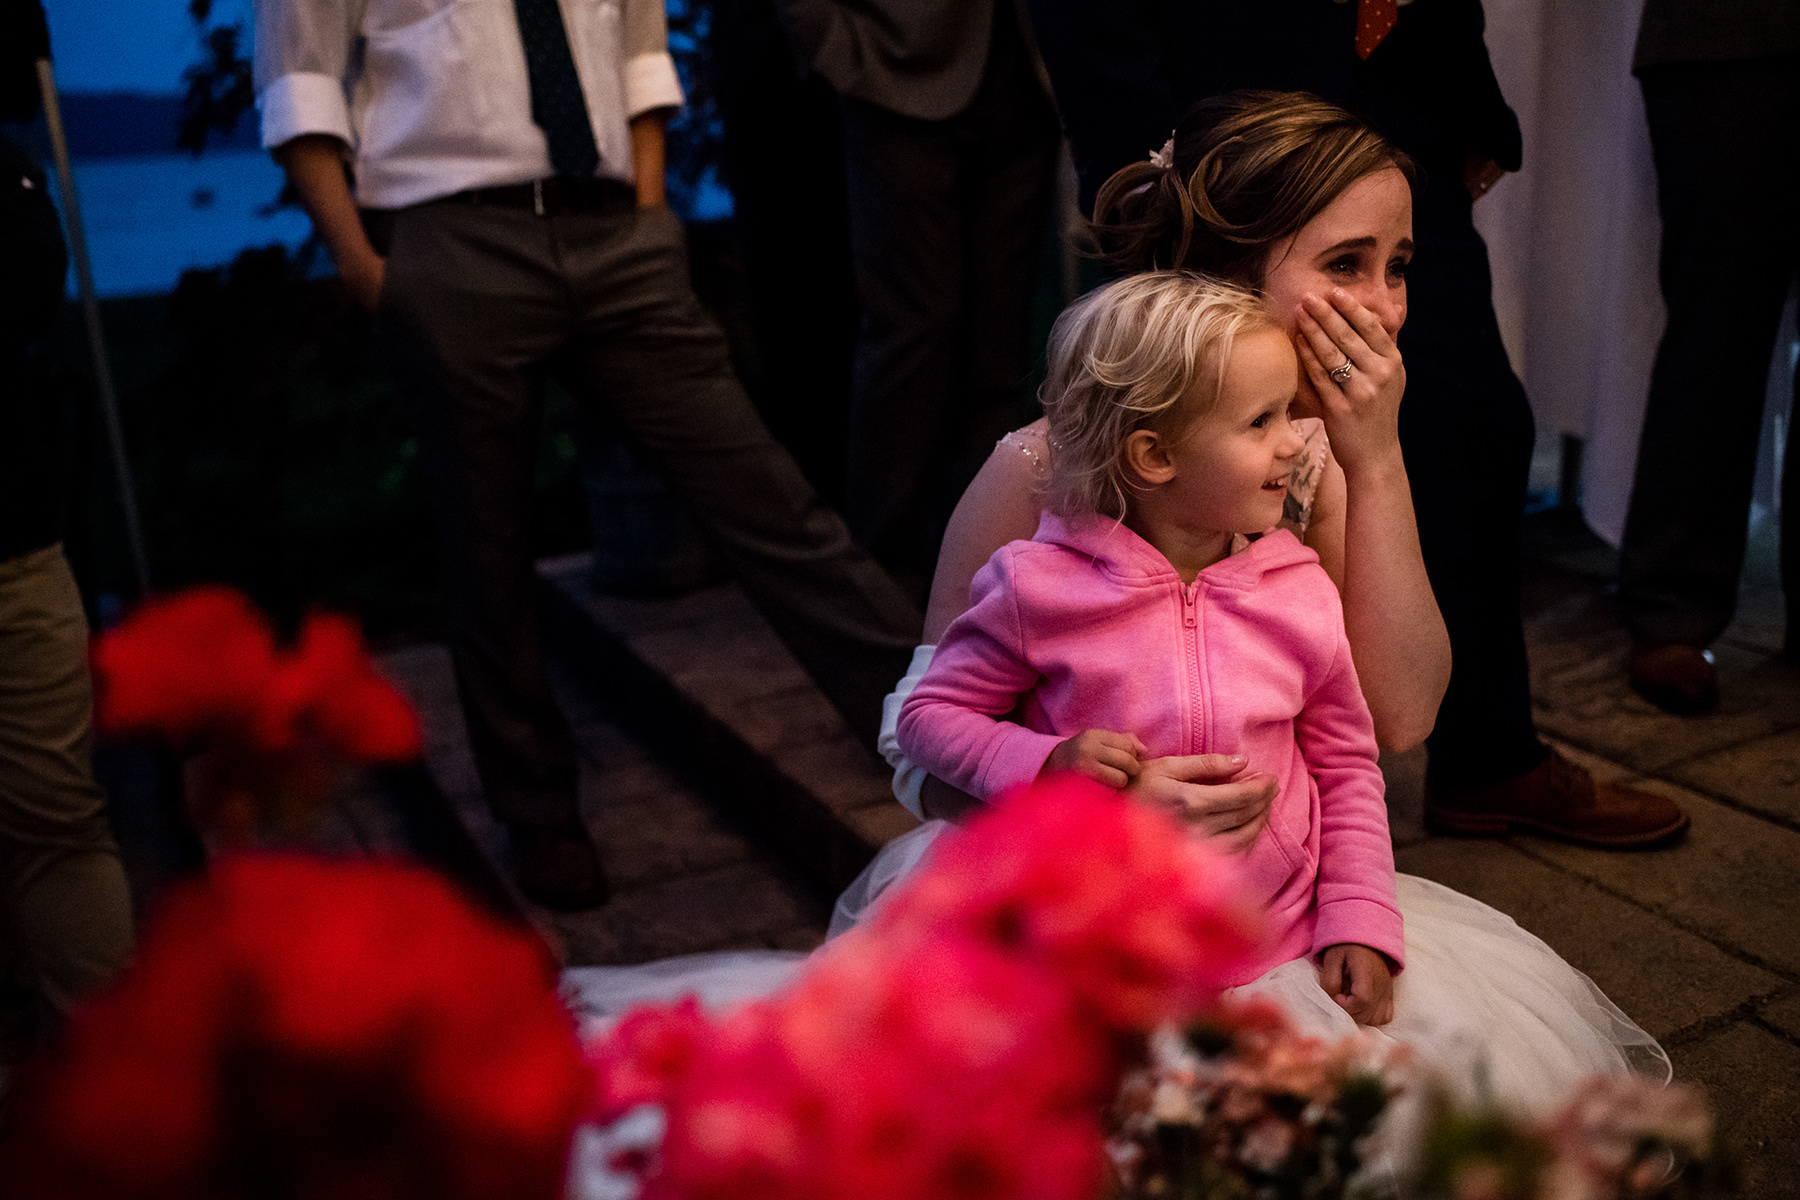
(127, 45)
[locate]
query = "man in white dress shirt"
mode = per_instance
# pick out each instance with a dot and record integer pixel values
(500, 241)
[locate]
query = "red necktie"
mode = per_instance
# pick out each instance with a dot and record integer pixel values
(1374, 18)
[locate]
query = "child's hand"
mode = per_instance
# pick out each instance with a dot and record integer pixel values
(1111, 758)
(1357, 978)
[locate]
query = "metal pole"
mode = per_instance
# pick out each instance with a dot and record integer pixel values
(84, 277)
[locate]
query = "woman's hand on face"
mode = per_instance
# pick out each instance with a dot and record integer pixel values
(1361, 411)
(1212, 794)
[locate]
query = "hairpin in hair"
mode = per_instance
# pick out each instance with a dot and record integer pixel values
(1164, 158)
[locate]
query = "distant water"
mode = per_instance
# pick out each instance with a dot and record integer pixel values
(150, 218)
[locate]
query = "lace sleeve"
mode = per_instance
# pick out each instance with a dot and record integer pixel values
(1303, 485)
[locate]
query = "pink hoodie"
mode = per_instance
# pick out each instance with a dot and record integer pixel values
(1087, 626)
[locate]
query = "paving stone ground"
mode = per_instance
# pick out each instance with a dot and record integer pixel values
(689, 871)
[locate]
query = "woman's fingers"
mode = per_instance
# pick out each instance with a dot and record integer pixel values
(1340, 330)
(1230, 813)
(1359, 386)
(1199, 768)
(1316, 374)
(1230, 805)
(1233, 814)
(1346, 309)
(1315, 335)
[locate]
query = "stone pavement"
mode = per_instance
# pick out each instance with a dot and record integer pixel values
(1698, 942)
(769, 806)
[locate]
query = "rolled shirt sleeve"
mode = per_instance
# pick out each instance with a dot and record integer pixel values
(302, 57)
(650, 79)
(650, 84)
(298, 104)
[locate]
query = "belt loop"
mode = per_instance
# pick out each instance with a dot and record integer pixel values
(537, 196)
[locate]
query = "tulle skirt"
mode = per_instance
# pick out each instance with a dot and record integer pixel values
(598, 996)
(1488, 1011)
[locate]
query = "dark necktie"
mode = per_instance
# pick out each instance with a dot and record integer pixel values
(556, 103)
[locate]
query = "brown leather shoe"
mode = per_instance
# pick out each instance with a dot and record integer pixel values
(1681, 679)
(1561, 800)
(558, 866)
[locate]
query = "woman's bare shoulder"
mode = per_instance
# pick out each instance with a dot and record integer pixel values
(1002, 504)
(1028, 448)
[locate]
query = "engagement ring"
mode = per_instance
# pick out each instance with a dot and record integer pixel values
(1341, 372)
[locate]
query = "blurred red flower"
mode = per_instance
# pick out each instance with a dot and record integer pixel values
(1143, 923)
(939, 1068)
(300, 1028)
(201, 668)
(196, 664)
(650, 1049)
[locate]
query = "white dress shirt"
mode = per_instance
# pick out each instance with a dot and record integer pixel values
(432, 96)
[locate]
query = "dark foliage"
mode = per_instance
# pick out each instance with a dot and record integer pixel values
(217, 90)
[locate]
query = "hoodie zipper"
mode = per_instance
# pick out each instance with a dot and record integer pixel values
(1190, 630)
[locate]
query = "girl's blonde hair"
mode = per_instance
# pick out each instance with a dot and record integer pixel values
(1243, 173)
(1144, 352)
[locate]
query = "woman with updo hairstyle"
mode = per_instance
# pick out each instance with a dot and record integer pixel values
(1245, 171)
(1298, 199)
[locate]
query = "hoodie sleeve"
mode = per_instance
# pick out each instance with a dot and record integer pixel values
(951, 724)
(1355, 895)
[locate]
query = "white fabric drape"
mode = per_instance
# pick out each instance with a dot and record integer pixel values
(1573, 240)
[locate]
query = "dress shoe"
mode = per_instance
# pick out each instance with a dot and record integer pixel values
(558, 866)
(1561, 800)
(1676, 677)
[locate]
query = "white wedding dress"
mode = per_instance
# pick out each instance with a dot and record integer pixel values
(1491, 1011)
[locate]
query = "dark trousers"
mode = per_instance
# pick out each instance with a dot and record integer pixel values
(481, 305)
(1467, 431)
(784, 161)
(1726, 140)
(947, 223)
